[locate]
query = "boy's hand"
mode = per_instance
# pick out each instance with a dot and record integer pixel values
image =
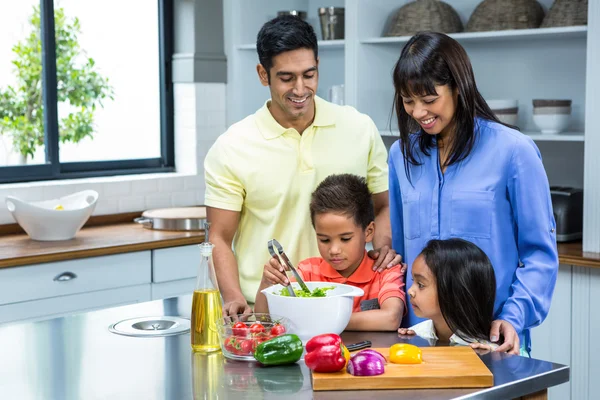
(385, 257)
(406, 331)
(274, 273)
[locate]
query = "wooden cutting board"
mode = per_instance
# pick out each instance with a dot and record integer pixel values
(442, 367)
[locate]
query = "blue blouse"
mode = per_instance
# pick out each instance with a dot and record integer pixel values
(497, 198)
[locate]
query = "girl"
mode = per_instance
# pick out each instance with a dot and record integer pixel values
(458, 172)
(454, 288)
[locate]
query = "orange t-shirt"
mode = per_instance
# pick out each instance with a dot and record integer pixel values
(378, 286)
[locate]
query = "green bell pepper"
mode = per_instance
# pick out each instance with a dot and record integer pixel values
(281, 350)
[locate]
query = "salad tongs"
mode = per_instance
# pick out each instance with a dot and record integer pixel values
(285, 261)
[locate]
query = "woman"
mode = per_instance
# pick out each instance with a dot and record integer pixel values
(459, 172)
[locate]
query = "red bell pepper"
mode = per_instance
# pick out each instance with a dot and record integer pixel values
(326, 353)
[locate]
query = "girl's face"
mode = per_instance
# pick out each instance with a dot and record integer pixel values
(423, 292)
(434, 113)
(342, 242)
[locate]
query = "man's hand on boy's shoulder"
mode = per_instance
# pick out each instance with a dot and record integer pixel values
(385, 257)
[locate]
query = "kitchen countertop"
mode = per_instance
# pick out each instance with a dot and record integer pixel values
(76, 357)
(17, 249)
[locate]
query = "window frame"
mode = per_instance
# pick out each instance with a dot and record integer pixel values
(53, 169)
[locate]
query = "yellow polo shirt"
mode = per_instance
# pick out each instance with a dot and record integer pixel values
(268, 173)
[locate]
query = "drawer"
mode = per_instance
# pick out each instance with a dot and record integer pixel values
(58, 306)
(173, 288)
(63, 278)
(175, 263)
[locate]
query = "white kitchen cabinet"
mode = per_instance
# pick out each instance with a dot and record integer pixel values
(175, 263)
(58, 288)
(551, 341)
(179, 287)
(54, 279)
(63, 305)
(174, 271)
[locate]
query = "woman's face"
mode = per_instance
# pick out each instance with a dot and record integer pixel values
(423, 292)
(434, 113)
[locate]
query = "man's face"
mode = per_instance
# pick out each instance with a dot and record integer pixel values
(293, 85)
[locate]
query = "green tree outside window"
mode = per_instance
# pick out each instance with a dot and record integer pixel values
(80, 88)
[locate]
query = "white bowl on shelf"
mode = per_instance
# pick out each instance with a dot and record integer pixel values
(507, 111)
(44, 222)
(311, 316)
(551, 124)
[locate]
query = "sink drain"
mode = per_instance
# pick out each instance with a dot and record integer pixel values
(151, 326)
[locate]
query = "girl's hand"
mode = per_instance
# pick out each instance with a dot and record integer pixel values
(406, 331)
(511, 342)
(274, 273)
(481, 348)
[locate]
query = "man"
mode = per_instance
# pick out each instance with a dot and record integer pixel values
(260, 173)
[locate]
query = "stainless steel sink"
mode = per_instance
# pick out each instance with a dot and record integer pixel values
(151, 326)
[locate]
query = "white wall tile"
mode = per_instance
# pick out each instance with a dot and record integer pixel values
(183, 199)
(132, 203)
(161, 200)
(26, 193)
(107, 205)
(193, 182)
(5, 215)
(115, 189)
(174, 184)
(144, 186)
(200, 196)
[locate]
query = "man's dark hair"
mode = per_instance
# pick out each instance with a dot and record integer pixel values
(344, 194)
(281, 34)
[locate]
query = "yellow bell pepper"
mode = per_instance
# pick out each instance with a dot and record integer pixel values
(346, 353)
(403, 353)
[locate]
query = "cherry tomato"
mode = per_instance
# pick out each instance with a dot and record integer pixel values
(247, 347)
(230, 344)
(256, 328)
(277, 330)
(239, 329)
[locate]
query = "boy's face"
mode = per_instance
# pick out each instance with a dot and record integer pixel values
(423, 292)
(342, 242)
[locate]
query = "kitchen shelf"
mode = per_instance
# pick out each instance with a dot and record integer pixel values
(537, 136)
(515, 34)
(323, 45)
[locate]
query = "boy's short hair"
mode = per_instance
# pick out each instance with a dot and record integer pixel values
(344, 194)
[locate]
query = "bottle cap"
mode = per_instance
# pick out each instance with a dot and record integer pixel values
(206, 248)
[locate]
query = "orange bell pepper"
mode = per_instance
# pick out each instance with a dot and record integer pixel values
(404, 353)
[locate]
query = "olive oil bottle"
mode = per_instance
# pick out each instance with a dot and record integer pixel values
(206, 305)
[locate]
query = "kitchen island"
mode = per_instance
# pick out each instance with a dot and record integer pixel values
(77, 357)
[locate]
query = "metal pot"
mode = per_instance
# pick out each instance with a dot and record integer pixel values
(174, 219)
(332, 22)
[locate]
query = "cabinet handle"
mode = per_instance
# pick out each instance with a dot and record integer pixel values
(65, 276)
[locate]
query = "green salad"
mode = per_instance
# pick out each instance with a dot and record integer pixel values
(316, 292)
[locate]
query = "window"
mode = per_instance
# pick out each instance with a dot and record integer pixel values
(85, 89)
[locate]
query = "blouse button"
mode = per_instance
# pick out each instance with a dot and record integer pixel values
(552, 230)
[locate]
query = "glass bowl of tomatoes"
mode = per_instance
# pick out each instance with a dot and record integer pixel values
(240, 334)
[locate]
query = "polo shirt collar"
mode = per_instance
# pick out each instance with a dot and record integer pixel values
(270, 128)
(363, 274)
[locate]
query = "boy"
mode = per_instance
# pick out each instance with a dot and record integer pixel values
(341, 211)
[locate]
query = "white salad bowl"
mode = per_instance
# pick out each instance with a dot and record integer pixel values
(311, 316)
(44, 222)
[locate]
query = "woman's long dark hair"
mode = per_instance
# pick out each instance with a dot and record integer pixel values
(466, 286)
(432, 59)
